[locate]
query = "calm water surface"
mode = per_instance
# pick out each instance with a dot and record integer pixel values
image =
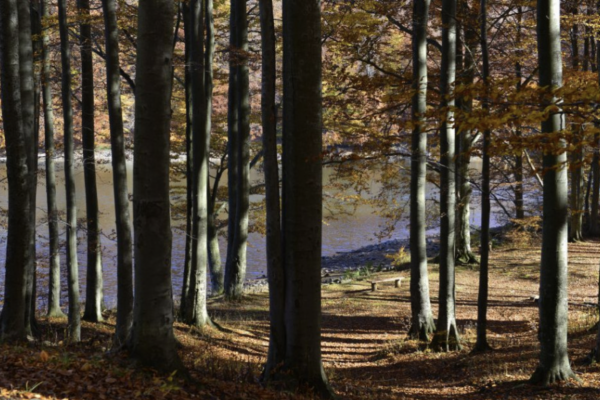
(345, 232)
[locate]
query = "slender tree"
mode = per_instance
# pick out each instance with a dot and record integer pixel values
(93, 296)
(189, 163)
(446, 336)
(28, 107)
(275, 270)
(214, 255)
(72, 267)
(235, 270)
(152, 341)
(20, 224)
(482, 300)
(54, 309)
(119, 168)
(554, 360)
(195, 312)
(422, 317)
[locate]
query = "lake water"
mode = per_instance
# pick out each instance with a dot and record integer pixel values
(349, 230)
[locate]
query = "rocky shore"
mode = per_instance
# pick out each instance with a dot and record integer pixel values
(375, 256)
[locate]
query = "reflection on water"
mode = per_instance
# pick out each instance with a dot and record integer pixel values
(345, 232)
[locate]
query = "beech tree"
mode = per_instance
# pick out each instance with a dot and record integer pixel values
(93, 296)
(239, 151)
(554, 360)
(446, 336)
(195, 311)
(72, 266)
(54, 309)
(275, 270)
(18, 147)
(152, 341)
(302, 193)
(119, 169)
(482, 300)
(422, 317)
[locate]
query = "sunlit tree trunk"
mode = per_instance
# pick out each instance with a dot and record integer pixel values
(20, 225)
(195, 312)
(72, 267)
(152, 341)
(422, 318)
(214, 255)
(554, 361)
(465, 138)
(93, 290)
(119, 167)
(446, 334)
(54, 309)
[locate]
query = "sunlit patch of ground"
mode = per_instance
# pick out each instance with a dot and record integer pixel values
(365, 350)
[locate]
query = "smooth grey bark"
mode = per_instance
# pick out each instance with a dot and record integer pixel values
(20, 224)
(214, 256)
(72, 267)
(482, 299)
(54, 309)
(152, 340)
(465, 138)
(195, 312)
(119, 167)
(302, 192)
(422, 324)
(94, 282)
(235, 270)
(446, 336)
(554, 361)
(28, 99)
(189, 161)
(577, 176)
(275, 272)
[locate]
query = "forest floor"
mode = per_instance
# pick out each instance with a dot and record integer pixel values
(365, 350)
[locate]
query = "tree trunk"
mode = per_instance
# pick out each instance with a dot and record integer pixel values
(518, 171)
(72, 267)
(464, 144)
(152, 341)
(554, 362)
(119, 167)
(20, 225)
(577, 186)
(482, 299)
(195, 312)
(235, 270)
(422, 317)
(232, 139)
(302, 192)
(54, 309)
(28, 107)
(214, 255)
(189, 164)
(446, 334)
(93, 293)
(275, 272)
